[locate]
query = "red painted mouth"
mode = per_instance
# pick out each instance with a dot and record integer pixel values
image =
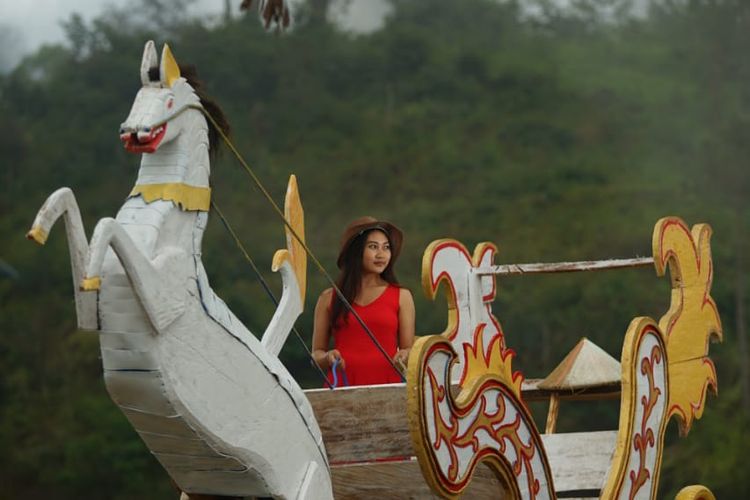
(144, 141)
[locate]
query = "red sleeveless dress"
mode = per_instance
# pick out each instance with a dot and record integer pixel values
(365, 364)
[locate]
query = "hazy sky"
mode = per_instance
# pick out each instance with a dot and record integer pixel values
(27, 24)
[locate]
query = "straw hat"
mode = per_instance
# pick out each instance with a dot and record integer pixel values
(360, 226)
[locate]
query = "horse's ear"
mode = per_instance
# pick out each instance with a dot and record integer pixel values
(150, 60)
(169, 71)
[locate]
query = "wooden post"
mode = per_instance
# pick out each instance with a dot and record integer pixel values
(565, 267)
(554, 407)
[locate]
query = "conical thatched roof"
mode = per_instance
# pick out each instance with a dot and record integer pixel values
(587, 365)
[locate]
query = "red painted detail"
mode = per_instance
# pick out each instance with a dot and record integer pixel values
(141, 142)
(444, 275)
(710, 382)
(469, 264)
(502, 432)
(646, 438)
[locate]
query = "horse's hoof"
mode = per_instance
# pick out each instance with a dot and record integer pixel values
(91, 284)
(37, 234)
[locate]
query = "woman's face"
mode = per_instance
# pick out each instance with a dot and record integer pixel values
(377, 252)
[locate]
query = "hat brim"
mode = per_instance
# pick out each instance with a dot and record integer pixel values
(355, 230)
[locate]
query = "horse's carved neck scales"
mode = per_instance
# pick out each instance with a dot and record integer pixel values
(184, 160)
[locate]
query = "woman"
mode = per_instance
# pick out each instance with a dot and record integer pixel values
(369, 249)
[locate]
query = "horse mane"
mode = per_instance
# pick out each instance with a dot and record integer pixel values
(190, 73)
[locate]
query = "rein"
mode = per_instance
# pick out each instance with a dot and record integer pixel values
(293, 232)
(267, 288)
(334, 371)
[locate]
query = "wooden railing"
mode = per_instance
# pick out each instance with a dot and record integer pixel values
(371, 421)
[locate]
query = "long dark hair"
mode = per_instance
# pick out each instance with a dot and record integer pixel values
(190, 74)
(350, 277)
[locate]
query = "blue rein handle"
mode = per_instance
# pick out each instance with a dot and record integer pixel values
(334, 370)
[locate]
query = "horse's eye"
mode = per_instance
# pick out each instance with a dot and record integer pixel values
(170, 102)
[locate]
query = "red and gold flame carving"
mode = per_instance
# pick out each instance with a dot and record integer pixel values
(666, 372)
(483, 423)
(692, 319)
(684, 333)
(487, 421)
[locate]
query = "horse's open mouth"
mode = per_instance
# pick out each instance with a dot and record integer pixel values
(144, 141)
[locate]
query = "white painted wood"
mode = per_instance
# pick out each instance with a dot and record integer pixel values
(180, 445)
(495, 423)
(62, 203)
(315, 480)
(474, 293)
(166, 425)
(580, 460)
(454, 263)
(139, 341)
(139, 390)
(449, 442)
(218, 410)
(287, 312)
(652, 391)
(126, 359)
(369, 422)
(189, 463)
(160, 283)
(403, 480)
(149, 60)
(564, 267)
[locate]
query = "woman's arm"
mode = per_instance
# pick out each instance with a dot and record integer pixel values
(406, 315)
(322, 333)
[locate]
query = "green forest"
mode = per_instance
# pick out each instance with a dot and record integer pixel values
(557, 133)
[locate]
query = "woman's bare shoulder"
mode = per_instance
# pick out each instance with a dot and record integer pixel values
(405, 294)
(324, 300)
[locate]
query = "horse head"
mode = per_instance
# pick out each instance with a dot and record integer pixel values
(154, 118)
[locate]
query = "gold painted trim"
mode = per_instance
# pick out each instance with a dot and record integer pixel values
(415, 411)
(695, 492)
(615, 481)
(37, 234)
(692, 320)
(279, 258)
(620, 459)
(187, 197)
(419, 432)
(295, 215)
(170, 68)
(91, 284)
(295, 252)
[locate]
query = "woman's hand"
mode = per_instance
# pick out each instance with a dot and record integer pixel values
(321, 333)
(332, 356)
(406, 316)
(326, 359)
(402, 358)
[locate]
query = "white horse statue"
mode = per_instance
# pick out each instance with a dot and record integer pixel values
(213, 404)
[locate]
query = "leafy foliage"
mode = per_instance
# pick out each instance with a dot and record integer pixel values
(561, 136)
